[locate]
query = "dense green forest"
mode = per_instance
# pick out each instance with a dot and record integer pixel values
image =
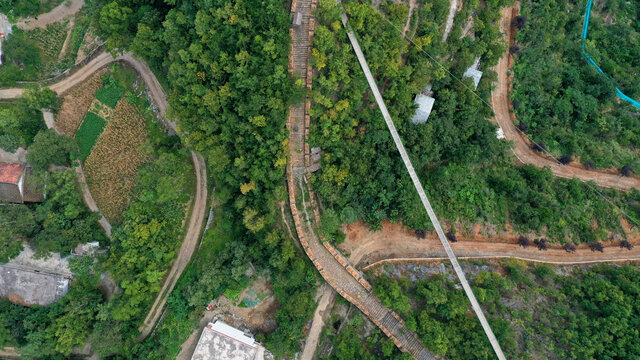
(229, 88)
(536, 311)
(467, 172)
(565, 103)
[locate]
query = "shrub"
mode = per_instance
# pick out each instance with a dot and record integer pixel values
(9, 142)
(626, 170)
(451, 236)
(596, 247)
(539, 147)
(88, 133)
(519, 22)
(565, 159)
(523, 241)
(626, 245)
(523, 127)
(589, 164)
(541, 244)
(110, 94)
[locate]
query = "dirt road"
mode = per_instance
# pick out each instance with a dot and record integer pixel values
(187, 248)
(327, 297)
(412, 6)
(192, 235)
(453, 8)
(522, 148)
(395, 243)
(56, 14)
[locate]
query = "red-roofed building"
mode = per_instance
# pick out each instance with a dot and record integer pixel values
(13, 188)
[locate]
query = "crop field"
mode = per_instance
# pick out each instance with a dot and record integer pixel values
(88, 133)
(112, 166)
(76, 102)
(109, 95)
(49, 40)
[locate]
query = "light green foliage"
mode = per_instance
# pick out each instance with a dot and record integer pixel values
(49, 148)
(113, 20)
(88, 133)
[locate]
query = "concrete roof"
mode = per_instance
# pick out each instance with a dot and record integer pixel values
(28, 286)
(474, 73)
(10, 173)
(220, 341)
(425, 105)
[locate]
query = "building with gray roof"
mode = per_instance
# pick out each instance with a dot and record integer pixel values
(220, 341)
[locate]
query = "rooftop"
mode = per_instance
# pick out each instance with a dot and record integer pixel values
(425, 105)
(220, 341)
(10, 173)
(474, 73)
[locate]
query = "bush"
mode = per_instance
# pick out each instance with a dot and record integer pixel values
(49, 148)
(626, 245)
(451, 236)
(539, 147)
(541, 244)
(110, 94)
(626, 170)
(565, 159)
(10, 143)
(523, 241)
(519, 22)
(523, 126)
(596, 247)
(88, 133)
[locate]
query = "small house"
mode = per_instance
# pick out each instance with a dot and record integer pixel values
(425, 105)
(14, 188)
(473, 72)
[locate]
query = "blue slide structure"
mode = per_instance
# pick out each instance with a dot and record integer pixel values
(585, 28)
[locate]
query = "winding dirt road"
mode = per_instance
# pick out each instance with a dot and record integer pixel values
(522, 146)
(196, 221)
(397, 244)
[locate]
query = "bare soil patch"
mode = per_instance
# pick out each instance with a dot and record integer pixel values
(76, 103)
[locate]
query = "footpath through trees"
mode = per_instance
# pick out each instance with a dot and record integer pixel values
(343, 277)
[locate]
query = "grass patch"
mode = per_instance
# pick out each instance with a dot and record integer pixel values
(110, 93)
(88, 133)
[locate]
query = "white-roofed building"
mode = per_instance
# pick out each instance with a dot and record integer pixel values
(474, 73)
(220, 341)
(425, 105)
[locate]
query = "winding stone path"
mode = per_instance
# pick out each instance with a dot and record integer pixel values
(334, 269)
